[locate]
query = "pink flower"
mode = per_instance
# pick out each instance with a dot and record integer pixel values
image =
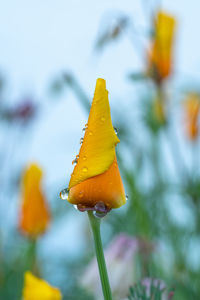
(119, 256)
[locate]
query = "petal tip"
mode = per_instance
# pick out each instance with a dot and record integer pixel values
(100, 86)
(97, 150)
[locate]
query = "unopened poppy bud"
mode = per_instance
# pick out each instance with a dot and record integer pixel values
(34, 213)
(192, 109)
(160, 53)
(96, 177)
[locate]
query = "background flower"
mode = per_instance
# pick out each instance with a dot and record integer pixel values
(35, 288)
(120, 257)
(161, 53)
(192, 109)
(34, 216)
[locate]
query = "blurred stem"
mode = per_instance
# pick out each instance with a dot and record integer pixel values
(172, 140)
(73, 83)
(33, 257)
(194, 157)
(95, 225)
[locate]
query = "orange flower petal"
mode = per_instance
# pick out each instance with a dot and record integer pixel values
(96, 178)
(34, 215)
(161, 52)
(192, 110)
(35, 289)
(97, 151)
(106, 187)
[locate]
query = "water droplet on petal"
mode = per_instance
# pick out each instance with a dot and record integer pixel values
(81, 141)
(115, 129)
(100, 206)
(81, 207)
(126, 197)
(90, 133)
(75, 160)
(85, 127)
(102, 119)
(64, 194)
(99, 214)
(85, 169)
(84, 157)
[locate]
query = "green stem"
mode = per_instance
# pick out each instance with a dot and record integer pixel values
(32, 258)
(95, 225)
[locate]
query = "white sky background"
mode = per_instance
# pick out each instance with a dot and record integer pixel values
(41, 38)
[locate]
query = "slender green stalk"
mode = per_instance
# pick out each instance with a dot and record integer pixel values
(32, 258)
(95, 225)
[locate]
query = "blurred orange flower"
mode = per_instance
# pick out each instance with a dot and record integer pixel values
(38, 289)
(34, 215)
(96, 182)
(160, 56)
(192, 110)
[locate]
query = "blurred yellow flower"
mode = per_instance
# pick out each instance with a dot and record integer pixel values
(38, 289)
(160, 56)
(96, 177)
(192, 110)
(34, 216)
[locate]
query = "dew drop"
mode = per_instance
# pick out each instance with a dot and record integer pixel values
(81, 141)
(74, 161)
(115, 129)
(102, 119)
(100, 207)
(84, 129)
(84, 157)
(90, 133)
(81, 207)
(64, 194)
(97, 101)
(126, 197)
(85, 169)
(99, 214)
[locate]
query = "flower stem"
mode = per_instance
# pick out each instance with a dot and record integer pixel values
(32, 257)
(95, 225)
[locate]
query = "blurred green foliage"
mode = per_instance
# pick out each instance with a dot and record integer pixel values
(152, 292)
